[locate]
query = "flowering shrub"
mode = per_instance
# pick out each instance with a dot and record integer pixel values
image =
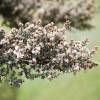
(16, 11)
(34, 51)
(78, 12)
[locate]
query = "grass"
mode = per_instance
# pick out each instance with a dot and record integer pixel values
(83, 86)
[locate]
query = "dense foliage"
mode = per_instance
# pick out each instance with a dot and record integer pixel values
(15, 11)
(79, 13)
(33, 51)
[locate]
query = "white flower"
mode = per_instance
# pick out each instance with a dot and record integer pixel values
(38, 48)
(68, 50)
(28, 46)
(34, 61)
(16, 47)
(74, 51)
(18, 54)
(66, 60)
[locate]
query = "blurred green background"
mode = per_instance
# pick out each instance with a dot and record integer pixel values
(85, 85)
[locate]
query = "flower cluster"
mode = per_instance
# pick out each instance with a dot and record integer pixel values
(15, 11)
(34, 51)
(78, 12)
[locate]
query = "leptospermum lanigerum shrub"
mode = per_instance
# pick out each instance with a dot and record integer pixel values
(79, 12)
(15, 11)
(34, 51)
